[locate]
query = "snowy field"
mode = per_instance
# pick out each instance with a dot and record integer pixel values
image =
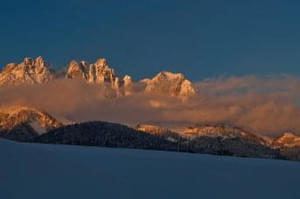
(37, 171)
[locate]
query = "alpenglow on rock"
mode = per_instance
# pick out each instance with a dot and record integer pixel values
(288, 140)
(24, 123)
(99, 73)
(38, 72)
(30, 71)
(174, 84)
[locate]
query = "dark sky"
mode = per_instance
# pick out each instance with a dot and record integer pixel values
(199, 38)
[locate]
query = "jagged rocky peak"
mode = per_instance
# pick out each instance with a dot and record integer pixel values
(99, 72)
(39, 121)
(102, 62)
(288, 139)
(127, 80)
(77, 70)
(9, 67)
(29, 71)
(174, 84)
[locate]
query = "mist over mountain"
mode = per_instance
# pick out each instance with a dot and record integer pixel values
(27, 124)
(84, 92)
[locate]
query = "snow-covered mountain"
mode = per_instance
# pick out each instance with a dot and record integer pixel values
(174, 84)
(99, 73)
(216, 139)
(288, 139)
(107, 134)
(24, 123)
(30, 71)
(38, 71)
(225, 132)
(31, 125)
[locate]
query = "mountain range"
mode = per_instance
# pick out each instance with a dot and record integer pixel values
(38, 71)
(31, 125)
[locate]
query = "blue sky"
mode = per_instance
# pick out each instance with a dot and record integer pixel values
(199, 38)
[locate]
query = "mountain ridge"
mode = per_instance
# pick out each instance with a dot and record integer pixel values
(24, 123)
(38, 71)
(32, 125)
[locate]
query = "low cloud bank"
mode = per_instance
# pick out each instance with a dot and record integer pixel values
(266, 105)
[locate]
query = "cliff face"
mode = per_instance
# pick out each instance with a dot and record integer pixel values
(98, 73)
(37, 71)
(174, 84)
(29, 71)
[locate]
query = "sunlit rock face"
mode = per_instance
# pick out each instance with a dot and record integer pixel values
(99, 73)
(24, 123)
(174, 84)
(37, 71)
(77, 70)
(30, 71)
(288, 140)
(151, 129)
(128, 85)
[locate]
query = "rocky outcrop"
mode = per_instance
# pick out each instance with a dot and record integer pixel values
(99, 73)
(37, 71)
(24, 123)
(77, 70)
(288, 139)
(30, 71)
(174, 84)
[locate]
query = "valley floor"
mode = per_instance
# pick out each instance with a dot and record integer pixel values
(58, 171)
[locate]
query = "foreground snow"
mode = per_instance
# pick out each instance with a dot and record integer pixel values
(57, 171)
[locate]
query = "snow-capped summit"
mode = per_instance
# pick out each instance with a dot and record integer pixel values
(99, 73)
(24, 123)
(30, 71)
(174, 84)
(37, 71)
(13, 116)
(127, 80)
(77, 70)
(288, 140)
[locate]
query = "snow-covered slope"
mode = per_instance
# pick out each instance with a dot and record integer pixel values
(24, 123)
(224, 132)
(56, 171)
(216, 139)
